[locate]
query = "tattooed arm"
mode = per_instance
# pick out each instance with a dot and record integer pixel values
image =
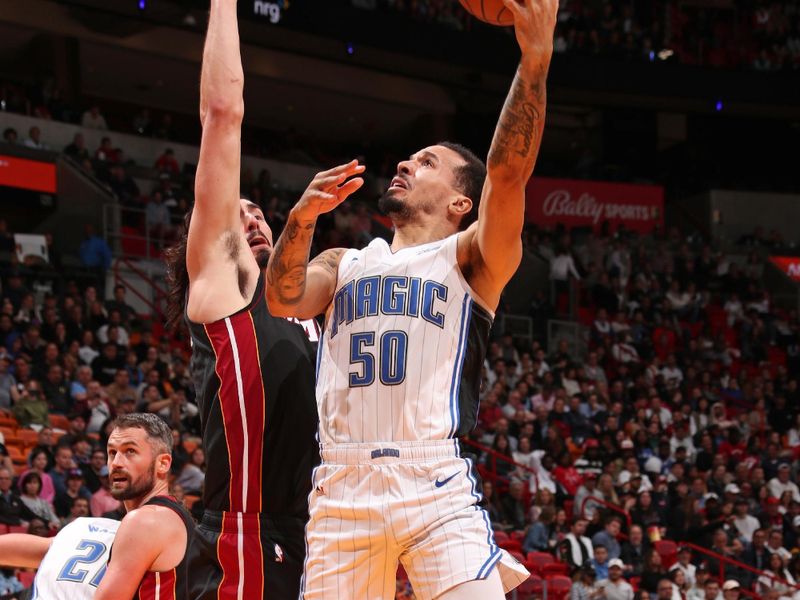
(490, 251)
(295, 287)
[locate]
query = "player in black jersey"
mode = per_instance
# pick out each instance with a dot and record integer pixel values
(149, 556)
(254, 373)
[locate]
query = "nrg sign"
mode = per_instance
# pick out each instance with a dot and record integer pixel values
(270, 10)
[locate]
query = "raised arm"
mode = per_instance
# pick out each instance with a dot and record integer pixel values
(23, 550)
(297, 288)
(496, 248)
(216, 209)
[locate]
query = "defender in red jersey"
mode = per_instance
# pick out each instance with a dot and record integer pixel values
(253, 373)
(148, 557)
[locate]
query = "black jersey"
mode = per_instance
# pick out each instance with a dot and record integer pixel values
(254, 376)
(172, 584)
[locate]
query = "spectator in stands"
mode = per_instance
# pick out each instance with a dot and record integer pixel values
(588, 489)
(79, 508)
(12, 510)
(141, 122)
(537, 537)
(102, 501)
(56, 392)
(35, 139)
(600, 561)
(10, 135)
(31, 485)
(167, 163)
(513, 507)
(159, 223)
(9, 584)
(776, 568)
(634, 551)
(490, 505)
(105, 366)
(615, 587)
(576, 549)
(666, 590)
(193, 473)
(93, 469)
(38, 461)
(608, 537)
(684, 565)
(585, 585)
(775, 544)
(653, 573)
(30, 409)
(781, 483)
(63, 465)
(118, 303)
(74, 489)
(76, 149)
(124, 188)
(93, 119)
(94, 252)
(106, 155)
(7, 381)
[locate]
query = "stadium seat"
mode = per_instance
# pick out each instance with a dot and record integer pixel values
(539, 559)
(668, 550)
(517, 555)
(500, 537)
(8, 432)
(531, 587)
(517, 535)
(16, 454)
(8, 422)
(28, 436)
(555, 568)
(558, 586)
(17, 529)
(59, 422)
(511, 546)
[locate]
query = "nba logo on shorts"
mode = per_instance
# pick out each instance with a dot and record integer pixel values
(278, 554)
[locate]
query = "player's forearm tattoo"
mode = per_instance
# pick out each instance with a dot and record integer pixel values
(519, 129)
(328, 260)
(286, 273)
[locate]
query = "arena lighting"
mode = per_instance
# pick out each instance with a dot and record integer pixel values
(664, 54)
(652, 56)
(351, 49)
(718, 106)
(142, 4)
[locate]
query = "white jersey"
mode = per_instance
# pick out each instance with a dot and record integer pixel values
(404, 342)
(76, 561)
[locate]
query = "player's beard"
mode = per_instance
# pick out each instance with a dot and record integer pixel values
(392, 206)
(136, 488)
(262, 258)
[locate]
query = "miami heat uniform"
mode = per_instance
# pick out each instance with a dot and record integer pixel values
(398, 381)
(76, 561)
(254, 376)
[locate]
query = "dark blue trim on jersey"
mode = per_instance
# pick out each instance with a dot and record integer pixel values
(319, 353)
(455, 383)
(494, 551)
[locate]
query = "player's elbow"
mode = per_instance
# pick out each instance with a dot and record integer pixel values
(222, 111)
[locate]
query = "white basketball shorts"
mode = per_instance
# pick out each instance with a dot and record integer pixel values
(417, 502)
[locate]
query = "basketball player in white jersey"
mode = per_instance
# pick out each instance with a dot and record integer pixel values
(399, 364)
(74, 565)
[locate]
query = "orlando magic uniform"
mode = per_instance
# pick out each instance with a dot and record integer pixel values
(254, 376)
(76, 561)
(398, 381)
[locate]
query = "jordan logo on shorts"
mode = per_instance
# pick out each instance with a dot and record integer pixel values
(444, 481)
(278, 554)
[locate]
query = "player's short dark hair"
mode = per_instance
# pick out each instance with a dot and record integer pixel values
(469, 180)
(158, 432)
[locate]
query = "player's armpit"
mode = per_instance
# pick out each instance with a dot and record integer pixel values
(23, 550)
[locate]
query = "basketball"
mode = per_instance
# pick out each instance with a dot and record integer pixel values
(493, 12)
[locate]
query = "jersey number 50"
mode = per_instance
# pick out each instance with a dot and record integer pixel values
(392, 356)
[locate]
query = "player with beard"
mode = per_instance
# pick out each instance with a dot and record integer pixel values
(253, 373)
(141, 557)
(149, 555)
(406, 331)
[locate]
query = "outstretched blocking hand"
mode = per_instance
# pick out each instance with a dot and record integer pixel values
(328, 190)
(534, 25)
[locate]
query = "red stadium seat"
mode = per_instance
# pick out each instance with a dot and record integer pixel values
(59, 422)
(517, 555)
(517, 535)
(500, 537)
(558, 586)
(511, 546)
(17, 529)
(539, 559)
(8, 432)
(668, 550)
(532, 586)
(555, 568)
(28, 436)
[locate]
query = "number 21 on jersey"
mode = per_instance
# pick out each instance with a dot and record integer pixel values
(72, 571)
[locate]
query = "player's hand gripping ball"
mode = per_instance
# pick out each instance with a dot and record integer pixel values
(493, 12)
